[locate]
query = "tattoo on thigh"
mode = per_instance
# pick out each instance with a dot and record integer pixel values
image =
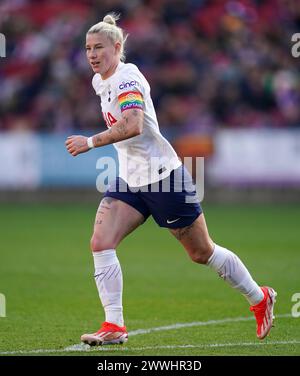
(104, 204)
(183, 232)
(107, 200)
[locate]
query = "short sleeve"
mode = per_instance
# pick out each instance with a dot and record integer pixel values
(130, 91)
(96, 83)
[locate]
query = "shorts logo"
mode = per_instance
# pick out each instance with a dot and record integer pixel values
(175, 220)
(125, 85)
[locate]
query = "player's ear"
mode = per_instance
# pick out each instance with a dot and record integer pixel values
(117, 47)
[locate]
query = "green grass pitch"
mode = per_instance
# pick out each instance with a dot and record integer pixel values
(46, 276)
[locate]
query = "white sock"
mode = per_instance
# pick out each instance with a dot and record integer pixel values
(232, 270)
(109, 281)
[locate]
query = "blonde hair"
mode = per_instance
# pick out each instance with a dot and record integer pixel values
(114, 33)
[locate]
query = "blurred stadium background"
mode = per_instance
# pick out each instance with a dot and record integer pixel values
(224, 83)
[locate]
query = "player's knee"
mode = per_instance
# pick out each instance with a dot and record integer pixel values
(199, 259)
(200, 255)
(100, 243)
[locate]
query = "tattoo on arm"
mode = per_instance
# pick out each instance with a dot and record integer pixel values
(98, 139)
(111, 137)
(121, 128)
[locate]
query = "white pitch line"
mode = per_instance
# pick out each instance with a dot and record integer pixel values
(82, 347)
(124, 349)
(196, 323)
(214, 345)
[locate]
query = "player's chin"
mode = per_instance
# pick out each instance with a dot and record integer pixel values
(95, 68)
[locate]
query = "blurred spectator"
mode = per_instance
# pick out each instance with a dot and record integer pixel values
(210, 63)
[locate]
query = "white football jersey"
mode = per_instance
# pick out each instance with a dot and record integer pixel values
(148, 157)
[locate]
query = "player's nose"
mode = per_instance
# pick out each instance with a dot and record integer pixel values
(92, 55)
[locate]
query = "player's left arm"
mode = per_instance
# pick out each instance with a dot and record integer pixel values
(130, 125)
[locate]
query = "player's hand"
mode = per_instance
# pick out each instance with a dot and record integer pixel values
(77, 145)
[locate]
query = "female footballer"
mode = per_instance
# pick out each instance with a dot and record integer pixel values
(146, 161)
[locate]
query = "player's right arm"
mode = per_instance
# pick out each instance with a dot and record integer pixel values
(130, 125)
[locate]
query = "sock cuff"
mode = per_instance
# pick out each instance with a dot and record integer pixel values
(105, 258)
(218, 257)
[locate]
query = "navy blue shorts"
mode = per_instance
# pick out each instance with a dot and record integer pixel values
(172, 202)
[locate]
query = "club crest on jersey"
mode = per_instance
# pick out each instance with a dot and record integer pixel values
(128, 84)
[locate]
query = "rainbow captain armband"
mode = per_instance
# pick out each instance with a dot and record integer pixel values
(130, 99)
